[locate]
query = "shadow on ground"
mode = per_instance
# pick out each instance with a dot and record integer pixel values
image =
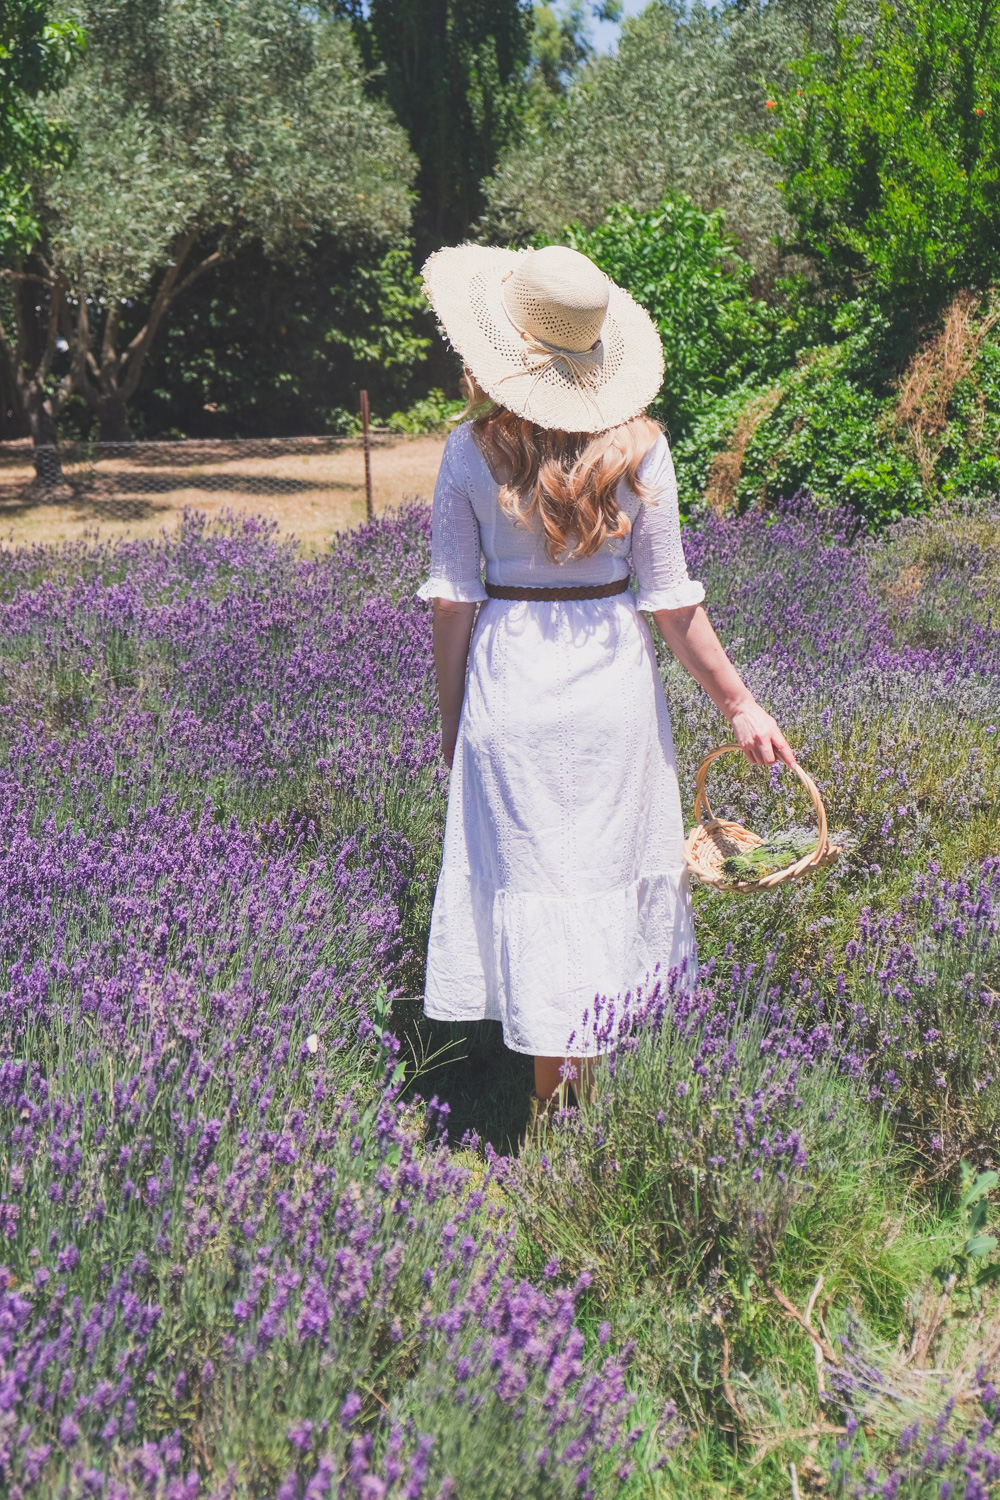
(487, 1087)
(104, 491)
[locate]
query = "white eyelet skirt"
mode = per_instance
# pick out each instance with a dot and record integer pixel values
(563, 875)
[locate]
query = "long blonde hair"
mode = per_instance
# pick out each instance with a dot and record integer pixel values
(570, 479)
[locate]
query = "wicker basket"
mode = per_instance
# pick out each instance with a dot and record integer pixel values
(712, 840)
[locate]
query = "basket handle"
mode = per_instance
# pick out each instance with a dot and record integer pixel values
(702, 806)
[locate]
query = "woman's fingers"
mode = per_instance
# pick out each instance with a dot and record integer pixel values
(761, 741)
(784, 751)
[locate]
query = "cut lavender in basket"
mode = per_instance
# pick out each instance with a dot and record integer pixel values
(776, 852)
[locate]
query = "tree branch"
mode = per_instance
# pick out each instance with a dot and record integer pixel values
(109, 354)
(9, 274)
(134, 354)
(76, 378)
(209, 263)
(56, 291)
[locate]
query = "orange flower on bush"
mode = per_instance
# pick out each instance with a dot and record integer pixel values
(769, 104)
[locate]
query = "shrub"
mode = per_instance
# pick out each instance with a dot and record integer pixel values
(876, 423)
(890, 150)
(670, 111)
(679, 264)
(435, 413)
(214, 1254)
(921, 1008)
(682, 266)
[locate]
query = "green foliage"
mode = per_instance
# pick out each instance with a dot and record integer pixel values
(670, 111)
(833, 419)
(246, 123)
(891, 153)
(559, 45)
(824, 435)
(452, 73)
(200, 127)
(677, 262)
(965, 1263)
(681, 265)
(37, 50)
(375, 311)
(272, 350)
(434, 413)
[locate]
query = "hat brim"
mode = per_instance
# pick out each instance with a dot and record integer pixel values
(464, 285)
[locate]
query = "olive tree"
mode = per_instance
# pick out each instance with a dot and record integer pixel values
(200, 126)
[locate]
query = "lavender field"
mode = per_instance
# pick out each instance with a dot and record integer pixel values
(265, 1232)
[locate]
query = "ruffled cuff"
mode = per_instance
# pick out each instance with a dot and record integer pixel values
(681, 596)
(470, 592)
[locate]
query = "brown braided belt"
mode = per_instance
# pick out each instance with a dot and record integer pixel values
(546, 596)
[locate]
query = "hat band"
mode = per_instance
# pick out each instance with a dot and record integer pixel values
(582, 365)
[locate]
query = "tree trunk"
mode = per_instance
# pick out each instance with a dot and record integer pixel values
(28, 362)
(45, 453)
(112, 419)
(42, 428)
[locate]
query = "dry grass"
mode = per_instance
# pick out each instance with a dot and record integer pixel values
(726, 467)
(312, 488)
(927, 383)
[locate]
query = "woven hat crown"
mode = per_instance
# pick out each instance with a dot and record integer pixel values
(558, 296)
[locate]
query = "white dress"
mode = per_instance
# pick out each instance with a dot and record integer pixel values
(563, 875)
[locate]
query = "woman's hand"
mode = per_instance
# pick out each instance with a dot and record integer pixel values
(759, 737)
(449, 735)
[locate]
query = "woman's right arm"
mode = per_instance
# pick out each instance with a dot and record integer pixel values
(674, 601)
(453, 623)
(689, 634)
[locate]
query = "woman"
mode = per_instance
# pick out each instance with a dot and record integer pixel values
(563, 875)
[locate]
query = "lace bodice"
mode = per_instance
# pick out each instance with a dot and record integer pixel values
(469, 523)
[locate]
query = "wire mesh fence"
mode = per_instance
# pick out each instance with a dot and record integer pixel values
(310, 485)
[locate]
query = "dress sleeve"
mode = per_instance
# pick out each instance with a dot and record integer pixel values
(657, 553)
(456, 550)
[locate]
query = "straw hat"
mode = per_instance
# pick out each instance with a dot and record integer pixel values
(547, 334)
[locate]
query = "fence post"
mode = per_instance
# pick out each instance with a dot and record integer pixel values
(369, 507)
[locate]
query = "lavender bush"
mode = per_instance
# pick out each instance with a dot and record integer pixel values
(219, 1264)
(714, 1117)
(946, 1429)
(240, 1257)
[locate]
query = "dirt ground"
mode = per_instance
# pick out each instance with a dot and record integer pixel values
(312, 488)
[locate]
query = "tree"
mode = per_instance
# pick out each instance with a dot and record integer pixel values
(560, 45)
(891, 153)
(201, 126)
(671, 111)
(452, 71)
(37, 50)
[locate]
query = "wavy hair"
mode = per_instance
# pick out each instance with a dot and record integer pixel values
(569, 479)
